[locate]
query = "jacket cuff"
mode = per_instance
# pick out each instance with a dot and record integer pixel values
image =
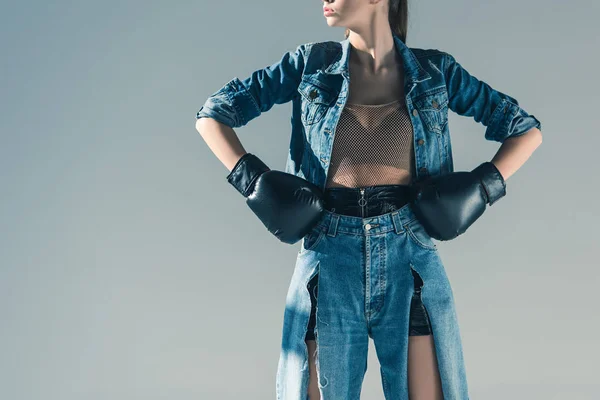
(509, 120)
(227, 105)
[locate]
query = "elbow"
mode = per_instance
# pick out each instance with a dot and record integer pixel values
(199, 124)
(538, 135)
(202, 122)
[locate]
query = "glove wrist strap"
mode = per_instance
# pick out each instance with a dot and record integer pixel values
(244, 173)
(492, 181)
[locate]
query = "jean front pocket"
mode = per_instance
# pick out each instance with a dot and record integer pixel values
(311, 240)
(316, 98)
(417, 233)
(433, 109)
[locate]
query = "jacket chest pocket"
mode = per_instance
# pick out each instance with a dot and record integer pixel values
(316, 99)
(433, 109)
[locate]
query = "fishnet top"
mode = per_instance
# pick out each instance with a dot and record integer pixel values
(373, 145)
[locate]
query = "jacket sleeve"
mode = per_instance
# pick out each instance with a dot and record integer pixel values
(471, 97)
(239, 101)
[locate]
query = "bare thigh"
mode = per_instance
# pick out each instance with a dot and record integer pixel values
(423, 374)
(313, 387)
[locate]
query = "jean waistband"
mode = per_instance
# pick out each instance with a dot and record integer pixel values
(396, 220)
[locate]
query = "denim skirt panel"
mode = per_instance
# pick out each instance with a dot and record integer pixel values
(367, 269)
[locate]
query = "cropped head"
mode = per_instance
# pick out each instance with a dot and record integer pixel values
(364, 15)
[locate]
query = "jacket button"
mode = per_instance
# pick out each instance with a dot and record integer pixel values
(420, 141)
(423, 170)
(434, 104)
(313, 94)
(415, 112)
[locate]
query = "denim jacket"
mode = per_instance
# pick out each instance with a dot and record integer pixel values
(315, 78)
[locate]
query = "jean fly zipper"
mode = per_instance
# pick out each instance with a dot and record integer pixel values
(362, 202)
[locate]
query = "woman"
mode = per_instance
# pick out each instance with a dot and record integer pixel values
(368, 266)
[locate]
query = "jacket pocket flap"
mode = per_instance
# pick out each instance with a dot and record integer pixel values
(316, 92)
(434, 101)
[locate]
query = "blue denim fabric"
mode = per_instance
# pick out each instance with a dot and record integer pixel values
(368, 202)
(366, 265)
(315, 78)
(367, 269)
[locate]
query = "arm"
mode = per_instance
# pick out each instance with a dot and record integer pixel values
(513, 153)
(222, 141)
(239, 101)
(447, 205)
(277, 198)
(472, 97)
(499, 112)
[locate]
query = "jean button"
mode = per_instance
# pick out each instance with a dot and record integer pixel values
(368, 226)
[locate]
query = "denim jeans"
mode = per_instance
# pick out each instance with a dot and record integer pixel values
(372, 200)
(367, 271)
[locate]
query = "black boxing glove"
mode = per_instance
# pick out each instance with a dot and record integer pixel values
(287, 205)
(446, 205)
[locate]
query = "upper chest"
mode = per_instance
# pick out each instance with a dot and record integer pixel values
(372, 89)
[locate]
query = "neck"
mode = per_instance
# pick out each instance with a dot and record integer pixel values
(374, 52)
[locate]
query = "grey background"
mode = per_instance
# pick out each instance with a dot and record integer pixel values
(130, 268)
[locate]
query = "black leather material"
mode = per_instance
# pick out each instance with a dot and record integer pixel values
(245, 172)
(287, 205)
(313, 289)
(419, 319)
(376, 200)
(492, 181)
(446, 205)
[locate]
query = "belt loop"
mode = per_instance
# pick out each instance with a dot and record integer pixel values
(397, 222)
(333, 222)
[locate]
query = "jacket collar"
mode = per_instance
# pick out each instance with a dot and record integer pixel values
(412, 68)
